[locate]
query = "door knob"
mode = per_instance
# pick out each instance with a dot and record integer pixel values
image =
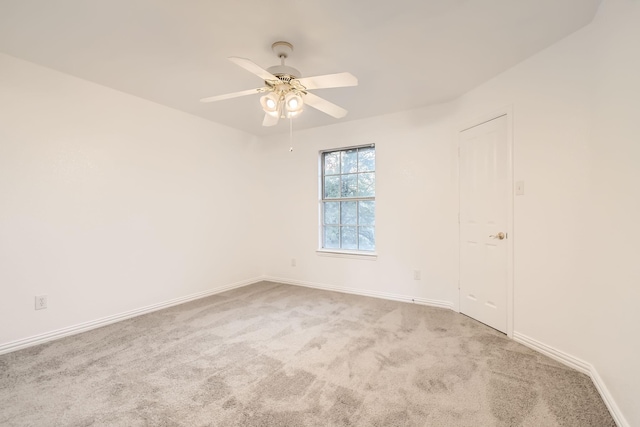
(498, 236)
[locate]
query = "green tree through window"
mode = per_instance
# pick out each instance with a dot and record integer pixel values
(348, 203)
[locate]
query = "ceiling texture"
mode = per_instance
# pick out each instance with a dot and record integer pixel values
(405, 53)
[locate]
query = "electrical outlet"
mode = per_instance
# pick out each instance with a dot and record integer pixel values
(41, 302)
(416, 274)
(293, 262)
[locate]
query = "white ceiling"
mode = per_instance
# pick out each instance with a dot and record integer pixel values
(405, 53)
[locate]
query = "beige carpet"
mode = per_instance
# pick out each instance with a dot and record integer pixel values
(277, 355)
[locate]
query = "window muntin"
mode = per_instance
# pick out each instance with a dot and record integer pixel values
(348, 199)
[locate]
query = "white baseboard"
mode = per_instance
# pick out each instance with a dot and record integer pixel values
(581, 366)
(560, 356)
(93, 324)
(620, 420)
(363, 292)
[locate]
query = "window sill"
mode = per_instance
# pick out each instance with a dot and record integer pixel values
(370, 256)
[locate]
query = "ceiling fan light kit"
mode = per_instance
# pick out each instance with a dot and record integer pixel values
(285, 91)
(293, 102)
(270, 103)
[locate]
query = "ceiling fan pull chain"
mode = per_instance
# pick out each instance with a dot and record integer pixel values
(290, 134)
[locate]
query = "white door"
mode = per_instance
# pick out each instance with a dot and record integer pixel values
(484, 199)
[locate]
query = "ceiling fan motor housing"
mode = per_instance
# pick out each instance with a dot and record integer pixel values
(284, 72)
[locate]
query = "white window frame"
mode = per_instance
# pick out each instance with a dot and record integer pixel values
(339, 252)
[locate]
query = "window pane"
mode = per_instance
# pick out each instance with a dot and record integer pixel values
(366, 159)
(367, 212)
(350, 161)
(332, 213)
(367, 184)
(349, 213)
(331, 187)
(331, 237)
(349, 238)
(366, 238)
(332, 163)
(349, 185)
(348, 173)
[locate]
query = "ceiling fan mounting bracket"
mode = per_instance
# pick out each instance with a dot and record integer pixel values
(284, 72)
(282, 49)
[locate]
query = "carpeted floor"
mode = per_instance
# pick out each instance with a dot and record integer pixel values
(277, 355)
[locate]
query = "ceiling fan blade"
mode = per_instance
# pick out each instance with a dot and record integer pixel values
(231, 95)
(325, 106)
(252, 67)
(329, 80)
(270, 120)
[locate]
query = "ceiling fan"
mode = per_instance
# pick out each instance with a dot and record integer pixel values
(286, 91)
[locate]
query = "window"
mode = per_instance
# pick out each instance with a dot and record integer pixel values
(348, 202)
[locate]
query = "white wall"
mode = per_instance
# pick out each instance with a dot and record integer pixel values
(110, 203)
(614, 231)
(416, 221)
(576, 147)
(552, 98)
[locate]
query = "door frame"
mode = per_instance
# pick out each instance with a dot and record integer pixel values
(468, 124)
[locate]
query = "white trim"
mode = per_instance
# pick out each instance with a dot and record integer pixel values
(510, 220)
(330, 150)
(581, 366)
(620, 420)
(508, 112)
(560, 356)
(371, 256)
(93, 324)
(363, 292)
